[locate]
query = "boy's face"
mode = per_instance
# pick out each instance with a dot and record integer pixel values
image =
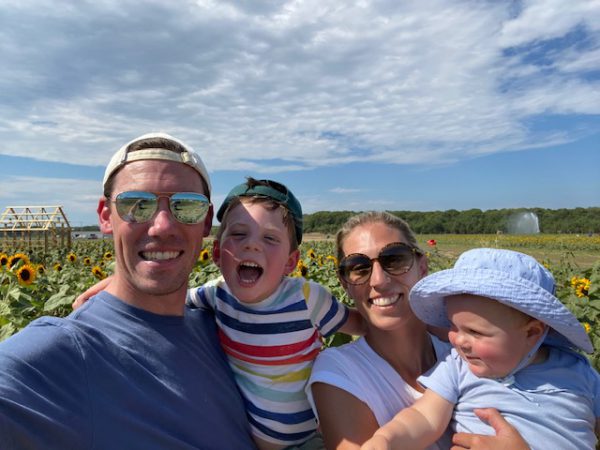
(491, 337)
(254, 252)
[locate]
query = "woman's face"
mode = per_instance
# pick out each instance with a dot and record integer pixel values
(383, 299)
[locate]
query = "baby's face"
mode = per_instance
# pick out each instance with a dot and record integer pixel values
(491, 337)
(254, 252)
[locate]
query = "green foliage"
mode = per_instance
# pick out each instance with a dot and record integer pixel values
(472, 221)
(53, 291)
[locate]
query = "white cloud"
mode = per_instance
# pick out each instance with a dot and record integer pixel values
(341, 190)
(78, 198)
(299, 84)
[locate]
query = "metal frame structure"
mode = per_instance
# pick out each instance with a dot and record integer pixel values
(34, 227)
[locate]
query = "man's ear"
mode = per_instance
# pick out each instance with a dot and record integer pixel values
(216, 253)
(104, 216)
(292, 261)
(208, 222)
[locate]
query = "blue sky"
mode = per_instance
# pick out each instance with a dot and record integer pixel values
(428, 105)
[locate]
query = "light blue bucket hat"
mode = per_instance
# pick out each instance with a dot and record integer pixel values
(510, 277)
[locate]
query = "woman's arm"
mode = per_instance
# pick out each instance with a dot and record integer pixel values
(345, 421)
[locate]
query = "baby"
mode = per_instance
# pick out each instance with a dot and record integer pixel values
(513, 346)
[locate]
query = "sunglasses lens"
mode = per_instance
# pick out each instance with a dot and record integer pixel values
(140, 206)
(397, 259)
(136, 206)
(189, 207)
(355, 269)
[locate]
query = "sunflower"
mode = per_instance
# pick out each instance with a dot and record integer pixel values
(301, 269)
(332, 259)
(26, 274)
(311, 254)
(87, 261)
(3, 259)
(41, 269)
(204, 256)
(72, 257)
(587, 327)
(14, 259)
(108, 256)
(57, 267)
(98, 273)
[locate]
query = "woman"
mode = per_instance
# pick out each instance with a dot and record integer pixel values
(360, 386)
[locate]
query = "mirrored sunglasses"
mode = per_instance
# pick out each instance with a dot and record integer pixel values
(140, 206)
(395, 258)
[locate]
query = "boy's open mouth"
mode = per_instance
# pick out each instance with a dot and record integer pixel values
(249, 272)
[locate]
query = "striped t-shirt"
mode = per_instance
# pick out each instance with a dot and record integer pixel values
(271, 347)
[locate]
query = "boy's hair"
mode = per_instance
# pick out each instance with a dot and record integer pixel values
(269, 204)
(375, 217)
(274, 195)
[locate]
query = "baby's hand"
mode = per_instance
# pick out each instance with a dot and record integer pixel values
(506, 438)
(91, 291)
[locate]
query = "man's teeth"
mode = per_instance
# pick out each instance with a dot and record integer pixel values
(385, 301)
(159, 256)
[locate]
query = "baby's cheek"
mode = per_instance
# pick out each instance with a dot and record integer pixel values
(452, 338)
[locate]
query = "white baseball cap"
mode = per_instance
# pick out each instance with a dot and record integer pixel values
(188, 156)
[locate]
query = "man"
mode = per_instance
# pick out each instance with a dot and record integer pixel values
(133, 368)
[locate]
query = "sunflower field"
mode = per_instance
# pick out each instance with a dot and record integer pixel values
(33, 285)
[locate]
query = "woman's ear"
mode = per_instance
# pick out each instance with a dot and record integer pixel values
(423, 264)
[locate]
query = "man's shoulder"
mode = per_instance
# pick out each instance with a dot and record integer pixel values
(46, 338)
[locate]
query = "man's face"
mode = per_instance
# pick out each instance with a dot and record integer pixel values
(154, 258)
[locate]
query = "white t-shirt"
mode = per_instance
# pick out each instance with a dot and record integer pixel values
(358, 370)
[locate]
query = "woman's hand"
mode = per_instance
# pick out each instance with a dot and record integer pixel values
(91, 291)
(506, 438)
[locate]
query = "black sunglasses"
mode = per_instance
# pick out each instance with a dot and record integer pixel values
(140, 206)
(395, 258)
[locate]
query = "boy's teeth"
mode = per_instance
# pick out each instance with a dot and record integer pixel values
(249, 264)
(384, 301)
(159, 256)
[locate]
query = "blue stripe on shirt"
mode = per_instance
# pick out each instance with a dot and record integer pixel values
(229, 299)
(287, 418)
(288, 437)
(263, 328)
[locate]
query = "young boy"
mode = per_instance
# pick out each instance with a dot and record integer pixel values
(512, 349)
(269, 324)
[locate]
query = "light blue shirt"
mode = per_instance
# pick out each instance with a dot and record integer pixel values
(553, 404)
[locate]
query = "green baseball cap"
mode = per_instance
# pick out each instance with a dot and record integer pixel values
(267, 189)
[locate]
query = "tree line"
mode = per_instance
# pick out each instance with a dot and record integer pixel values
(474, 221)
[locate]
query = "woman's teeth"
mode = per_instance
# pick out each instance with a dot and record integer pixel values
(385, 301)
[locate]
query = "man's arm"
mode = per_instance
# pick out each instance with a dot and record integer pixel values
(506, 438)
(415, 427)
(44, 392)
